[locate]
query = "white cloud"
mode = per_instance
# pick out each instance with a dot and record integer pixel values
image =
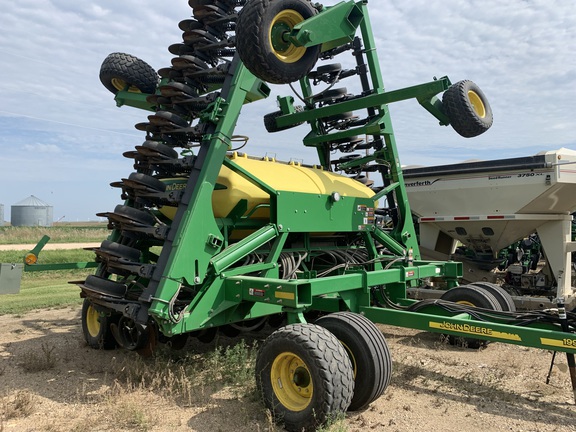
(519, 52)
(42, 148)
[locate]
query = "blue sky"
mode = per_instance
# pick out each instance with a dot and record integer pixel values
(63, 137)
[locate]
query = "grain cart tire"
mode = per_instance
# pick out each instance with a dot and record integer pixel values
(368, 352)
(96, 327)
(471, 296)
(503, 297)
(467, 108)
(261, 43)
(120, 70)
(270, 120)
(304, 376)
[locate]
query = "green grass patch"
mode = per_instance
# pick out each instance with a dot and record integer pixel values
(58, 234)
(49, 257)
(41, 294)
(44, 289)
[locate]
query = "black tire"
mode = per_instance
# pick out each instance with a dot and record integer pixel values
(368, 352)
(276, 61)
(120, 70)
(331, 96)
(504, 298)
(120, 251)
(467, 109)
(147, 181)
(134, 215)
(333, 68)
(167, 119)
(223, 4)
(304, 376)
(105, 287)
(472, 296)
(153, 148)
(96, 327)
(270, 120)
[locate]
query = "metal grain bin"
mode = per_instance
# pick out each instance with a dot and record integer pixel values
(32, 211)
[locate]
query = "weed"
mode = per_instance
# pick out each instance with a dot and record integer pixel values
(186, 377)
(130, 415)
(39, 361)
(127, 410)
(335, 423)
(233, 365)
(20, 405)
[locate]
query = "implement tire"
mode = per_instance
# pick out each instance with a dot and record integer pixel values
(270, 120)
(120, 71)
(96, 327)
(467, 108)
(368, 352)
(506, 301)
(304, 376)
(261, 45)
(472, 296)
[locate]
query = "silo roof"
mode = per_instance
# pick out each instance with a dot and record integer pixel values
(31, 201)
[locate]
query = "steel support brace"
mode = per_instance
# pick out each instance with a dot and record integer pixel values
(320, 29)
(420, 91)
(244, 247)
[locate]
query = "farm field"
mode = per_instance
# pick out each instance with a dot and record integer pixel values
(51, 381)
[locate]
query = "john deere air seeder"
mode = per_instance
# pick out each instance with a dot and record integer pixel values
(209, 239)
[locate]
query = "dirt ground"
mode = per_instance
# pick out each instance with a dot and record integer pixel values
(435, 387)
(49, 246)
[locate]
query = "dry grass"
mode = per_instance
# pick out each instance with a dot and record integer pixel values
(20, 404)
(38, 361)
(190, 378)
(128, 411)
(57, 234)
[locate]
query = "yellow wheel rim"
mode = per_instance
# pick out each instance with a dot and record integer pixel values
(477, 104)
(120, 84)
(352, 358)
(281, 26)
(92, 321)
(466, 303)
(291, 381)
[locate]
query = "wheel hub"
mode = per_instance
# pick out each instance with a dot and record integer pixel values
(92, 321)
(280, 29)
(120, 84)
(477, 104)
(291, 381)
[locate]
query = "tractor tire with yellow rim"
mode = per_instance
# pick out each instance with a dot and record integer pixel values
(304, 375)
(121, 71)
(262, 40)
(467, 108)
(475, 296)
(96, 327)
(368, 352)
